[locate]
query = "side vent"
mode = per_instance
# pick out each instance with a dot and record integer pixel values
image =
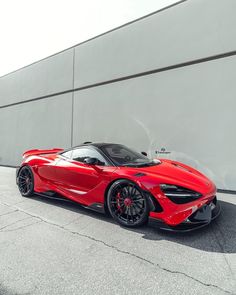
(139, 174)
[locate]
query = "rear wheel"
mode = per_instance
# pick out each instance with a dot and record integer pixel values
(127, 203)
(26, 181)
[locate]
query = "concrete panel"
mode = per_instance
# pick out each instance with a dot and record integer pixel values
(189, 111)
(41, 124)
(51, 75)
(188, 31)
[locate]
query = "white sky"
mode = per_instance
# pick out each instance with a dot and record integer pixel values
(33, 29)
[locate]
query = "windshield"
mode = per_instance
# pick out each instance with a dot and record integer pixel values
(123, 156)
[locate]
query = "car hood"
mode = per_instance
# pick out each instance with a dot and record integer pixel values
(172, 172)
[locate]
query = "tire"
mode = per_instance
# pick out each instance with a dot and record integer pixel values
(127, 203)
(26, 182)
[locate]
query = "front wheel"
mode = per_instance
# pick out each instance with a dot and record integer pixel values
(26, 181)
(127, 203)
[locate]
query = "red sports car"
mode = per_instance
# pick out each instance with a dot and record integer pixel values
(112, 178)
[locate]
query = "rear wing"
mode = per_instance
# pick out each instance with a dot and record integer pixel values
(41, 152)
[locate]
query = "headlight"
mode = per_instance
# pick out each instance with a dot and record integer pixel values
(178, 194)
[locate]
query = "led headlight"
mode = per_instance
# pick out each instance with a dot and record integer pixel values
(178, 194)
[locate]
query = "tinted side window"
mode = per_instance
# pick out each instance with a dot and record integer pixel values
(82, 153)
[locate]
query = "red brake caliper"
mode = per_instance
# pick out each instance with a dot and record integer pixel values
(118, 197)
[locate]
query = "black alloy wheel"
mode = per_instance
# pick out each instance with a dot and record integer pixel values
(26, 181)
(127, 203)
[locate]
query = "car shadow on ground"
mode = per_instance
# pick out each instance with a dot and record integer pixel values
(219, 236)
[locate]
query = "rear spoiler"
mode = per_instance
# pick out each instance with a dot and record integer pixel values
(40, 152)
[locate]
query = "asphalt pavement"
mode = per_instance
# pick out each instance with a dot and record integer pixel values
(56, 247)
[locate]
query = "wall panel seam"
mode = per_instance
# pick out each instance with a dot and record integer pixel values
(72, 98)
(128, 77)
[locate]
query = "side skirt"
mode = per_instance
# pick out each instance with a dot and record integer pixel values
(98, 207)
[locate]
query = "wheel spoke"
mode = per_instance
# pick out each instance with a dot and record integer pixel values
(133, 191)
(140, 202)
(139, 206)
(131, 213)
(127, 214)
(126, 191)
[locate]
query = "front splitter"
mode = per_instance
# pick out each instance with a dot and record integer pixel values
(186, 226)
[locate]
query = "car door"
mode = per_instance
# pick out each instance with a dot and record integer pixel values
(76, 178)
(45, 175)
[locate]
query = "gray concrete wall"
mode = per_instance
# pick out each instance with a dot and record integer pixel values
(188, 107)
(39, 124)
(51, 75)
(191, 30)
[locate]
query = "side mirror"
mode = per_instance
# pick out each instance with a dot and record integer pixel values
(144, 153)
(91, 161)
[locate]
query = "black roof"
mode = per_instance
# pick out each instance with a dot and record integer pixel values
(98, 144)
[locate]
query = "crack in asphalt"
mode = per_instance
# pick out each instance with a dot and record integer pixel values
(15, 222)
(148, 261)
(23, 226)
(72, 221)
(10, 212)
(118, 250)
